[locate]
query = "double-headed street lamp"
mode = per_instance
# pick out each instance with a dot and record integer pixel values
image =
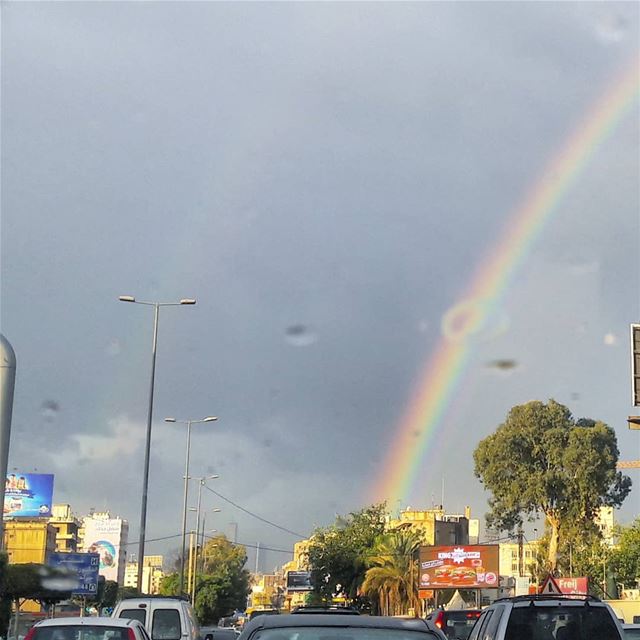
(147, 450)
(186, 488)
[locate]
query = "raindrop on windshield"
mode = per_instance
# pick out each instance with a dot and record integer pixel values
(49, 410)
(300, 335)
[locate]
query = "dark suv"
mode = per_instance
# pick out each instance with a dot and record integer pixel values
(538, 617)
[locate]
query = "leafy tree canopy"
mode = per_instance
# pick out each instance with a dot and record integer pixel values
(223, 585)
(625, 558)
(542, 460)
(338, 554)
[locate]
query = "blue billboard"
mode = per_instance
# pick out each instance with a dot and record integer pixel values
(85, 565)
(28, 495)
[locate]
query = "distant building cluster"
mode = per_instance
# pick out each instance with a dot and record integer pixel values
(32, 539)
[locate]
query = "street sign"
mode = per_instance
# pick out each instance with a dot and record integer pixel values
(550, 587)
(86, 566)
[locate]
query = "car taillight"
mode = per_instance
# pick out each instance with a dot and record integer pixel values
(474, 614)
(30, 634)
(130, 634)
(439, 622)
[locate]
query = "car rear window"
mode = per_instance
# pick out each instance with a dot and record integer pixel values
(458, 624)
(166, 625)
(341, 633)
(561, 623)
(134, 614)
(80, 632)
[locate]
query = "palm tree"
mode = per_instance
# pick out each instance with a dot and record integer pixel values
(392, 577)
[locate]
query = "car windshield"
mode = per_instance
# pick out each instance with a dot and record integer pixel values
(81, 632)
(561, 623)
(632, 634)
(339, 633)
(317, 303)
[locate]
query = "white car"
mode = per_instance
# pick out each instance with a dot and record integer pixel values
(164, 618)
(87, 629)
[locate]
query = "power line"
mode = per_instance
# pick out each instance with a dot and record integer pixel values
(254, 515)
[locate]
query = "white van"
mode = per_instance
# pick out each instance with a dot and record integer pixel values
(164, 618)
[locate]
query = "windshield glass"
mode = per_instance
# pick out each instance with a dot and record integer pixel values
(324, 304)
(561, 623)
(81, 632)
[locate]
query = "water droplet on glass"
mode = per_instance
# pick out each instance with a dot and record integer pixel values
(114, 347)
(610, 339)
(502, 364)
(612, 29)
(300, 335)
(49, 410)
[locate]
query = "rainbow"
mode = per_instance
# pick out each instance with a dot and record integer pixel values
(444, 370)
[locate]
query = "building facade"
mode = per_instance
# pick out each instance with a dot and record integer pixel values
(67, 526)
(510, 559)
(152, 574)
(29, 541)
(108, 536)
(435, 526)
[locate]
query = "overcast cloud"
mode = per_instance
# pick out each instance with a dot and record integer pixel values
(324, 179)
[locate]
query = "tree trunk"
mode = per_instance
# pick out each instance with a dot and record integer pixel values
(552, 556)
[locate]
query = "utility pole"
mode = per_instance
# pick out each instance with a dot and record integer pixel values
(257, 556)
(520, 551)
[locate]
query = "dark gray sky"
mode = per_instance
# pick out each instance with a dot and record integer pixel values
(338, 169)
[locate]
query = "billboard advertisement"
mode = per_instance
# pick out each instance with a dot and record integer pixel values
(106, 537)
(573, 586)
(299, 581)
(86, 567)
(460, 567)
(28, 495)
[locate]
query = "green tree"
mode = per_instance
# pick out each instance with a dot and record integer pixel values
(625, 558)
(338, 555)
(223, 584)
(127, 592)
(392, 579)
(542, 460)
(170, 584)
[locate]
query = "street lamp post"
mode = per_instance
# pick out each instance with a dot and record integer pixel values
(186, 488)
(147, 449)
(204, 517)
(201, 483)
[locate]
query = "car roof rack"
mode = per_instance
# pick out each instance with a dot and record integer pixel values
(537, 597)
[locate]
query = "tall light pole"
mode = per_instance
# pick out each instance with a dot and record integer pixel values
(186, 488)
(201, 483)
(147, 449)
(204, 517)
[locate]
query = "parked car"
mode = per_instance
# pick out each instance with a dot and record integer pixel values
(456, 624)
(87, 629)
(164, 618)
(631, 631)
(263, 612)
(338, 627)
(548, 617)
(219, 633)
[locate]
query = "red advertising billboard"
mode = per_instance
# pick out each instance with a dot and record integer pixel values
(573, 586)
(460, 567)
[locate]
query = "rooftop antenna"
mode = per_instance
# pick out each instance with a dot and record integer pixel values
(442, 502)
